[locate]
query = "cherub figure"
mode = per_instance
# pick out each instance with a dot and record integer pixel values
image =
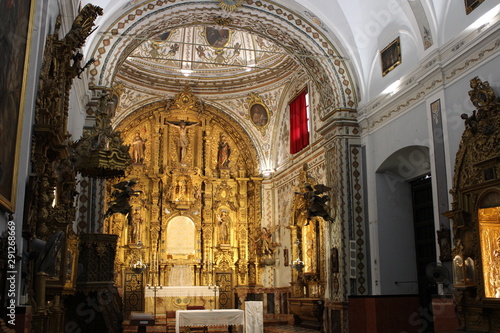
(316, 201)
(121, 199)
(224, 225)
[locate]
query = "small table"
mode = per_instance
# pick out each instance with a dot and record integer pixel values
(141, 320)
(202, 318)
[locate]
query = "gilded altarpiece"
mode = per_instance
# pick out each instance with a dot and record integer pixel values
(476, 214)
(199, 202)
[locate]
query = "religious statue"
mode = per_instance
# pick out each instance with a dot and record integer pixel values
(183, 140)
(316, 201)
(121, 199)
(138, 147)
(223, 153)
(267, 245)
(135, 228)
(224, 225)
(180, 190)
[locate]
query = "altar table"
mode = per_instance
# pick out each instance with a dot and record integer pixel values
(209, 318)
(180, 291)
(171, 298)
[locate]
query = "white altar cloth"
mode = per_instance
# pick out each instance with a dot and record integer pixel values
(209, 318)
(180, 291)
(254, 316)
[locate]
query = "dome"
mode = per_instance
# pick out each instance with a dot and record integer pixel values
(236, 58)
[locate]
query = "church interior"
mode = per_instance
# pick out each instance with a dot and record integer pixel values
(318, 166)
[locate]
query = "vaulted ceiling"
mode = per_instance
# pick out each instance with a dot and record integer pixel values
(150, 49)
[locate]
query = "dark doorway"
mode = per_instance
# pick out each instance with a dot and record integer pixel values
(134, 293)
(425, 246)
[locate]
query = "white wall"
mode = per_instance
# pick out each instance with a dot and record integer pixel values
(394, 155)
(396, 238)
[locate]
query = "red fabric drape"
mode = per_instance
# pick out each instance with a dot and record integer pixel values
(299, 133)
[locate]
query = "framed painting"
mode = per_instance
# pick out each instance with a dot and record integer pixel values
(470, 5)
(391, 56)
(217, 38)
(258, 113)
(436, 111)
(15, 36)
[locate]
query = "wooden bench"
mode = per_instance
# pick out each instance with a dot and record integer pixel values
(141, 320)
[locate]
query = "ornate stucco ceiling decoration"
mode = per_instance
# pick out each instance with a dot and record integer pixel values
(214, 58)
(328, 70)
(230, 5)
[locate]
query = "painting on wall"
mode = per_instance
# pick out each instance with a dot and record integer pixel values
(470, 5)
(14, 36)
(258, 114)
(391, 56)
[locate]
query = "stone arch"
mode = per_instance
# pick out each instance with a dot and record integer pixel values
(308, 45)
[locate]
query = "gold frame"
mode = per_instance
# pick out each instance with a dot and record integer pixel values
(390, 56)
(7, 200)
(256, 101)
(470, 5)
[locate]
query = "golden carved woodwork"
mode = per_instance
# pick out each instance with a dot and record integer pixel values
(100, 152)
(475, 213)
(196, 218)
(51, 193)
(308, 238)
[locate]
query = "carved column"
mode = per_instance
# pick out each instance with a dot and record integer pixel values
(343, 160)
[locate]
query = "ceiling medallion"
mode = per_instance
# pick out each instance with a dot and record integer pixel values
(230, 5)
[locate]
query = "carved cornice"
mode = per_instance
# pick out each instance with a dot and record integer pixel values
(439, 69)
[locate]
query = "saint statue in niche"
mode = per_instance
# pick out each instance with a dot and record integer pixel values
(224, 224)
(183, 140)
(134, 228)
(138, 148)
(223, 153)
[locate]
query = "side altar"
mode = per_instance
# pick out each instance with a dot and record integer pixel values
(170, 298)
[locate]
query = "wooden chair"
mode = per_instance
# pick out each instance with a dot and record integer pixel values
(170, 321)
(197, 329)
